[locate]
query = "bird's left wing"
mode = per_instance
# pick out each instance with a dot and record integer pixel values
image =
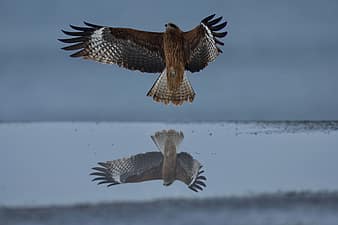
(203, 44)
(188, 170)
(137, 168)
(129, 48)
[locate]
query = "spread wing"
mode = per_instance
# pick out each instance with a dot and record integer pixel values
(137, 168)
(129, 48)
(203, 42)
(188, 171)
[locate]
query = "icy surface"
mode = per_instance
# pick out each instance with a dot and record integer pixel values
(49, 163)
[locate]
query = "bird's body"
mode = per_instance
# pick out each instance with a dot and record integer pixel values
(170, 53)
(169, 162)
(173, 42)
(166, 164)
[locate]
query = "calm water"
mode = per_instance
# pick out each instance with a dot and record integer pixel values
(45, 164)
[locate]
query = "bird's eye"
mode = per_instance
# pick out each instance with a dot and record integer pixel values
(171, 25)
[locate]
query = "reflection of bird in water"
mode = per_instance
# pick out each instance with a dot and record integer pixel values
(166, 165)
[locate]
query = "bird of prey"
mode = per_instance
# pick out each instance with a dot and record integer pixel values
(165, 164)
(170, 53)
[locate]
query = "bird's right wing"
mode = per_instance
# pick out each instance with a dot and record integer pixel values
(188, 170)
(203, 42)
(129, 48)
(137, 168)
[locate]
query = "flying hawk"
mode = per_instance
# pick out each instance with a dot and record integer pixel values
(170, 53)
(165, 164)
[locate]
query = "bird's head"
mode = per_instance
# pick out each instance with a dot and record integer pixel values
(167, 183)
(170, 26)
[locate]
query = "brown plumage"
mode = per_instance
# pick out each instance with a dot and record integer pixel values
(169, 156)
(169, 53)
(175, 56)
(166, 165)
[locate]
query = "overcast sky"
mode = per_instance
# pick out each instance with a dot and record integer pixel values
(279, 62)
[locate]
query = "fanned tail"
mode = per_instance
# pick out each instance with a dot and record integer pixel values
(160, 138)
(161, 93)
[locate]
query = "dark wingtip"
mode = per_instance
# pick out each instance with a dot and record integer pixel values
(201, 183)
(99, 169)
(77, 33)
(85, 29)
(201, 178)
(102, 175)
(103, 182)
(219, 42)
(220, 35)
(192, 188)
(62, 40)
(74, 47)
(97, 174)
(214, 26)
(98, 178)
(198, 187)
(73, 40)
(91, 25)
(206, 19)
(219, 26)
(75, 27)
(214, 21)
(102, 164)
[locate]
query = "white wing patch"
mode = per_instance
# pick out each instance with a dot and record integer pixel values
(102, 50)
(98, 34)
(210, 36)
(210, 44)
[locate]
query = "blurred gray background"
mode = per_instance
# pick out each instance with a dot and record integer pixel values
(280, 62)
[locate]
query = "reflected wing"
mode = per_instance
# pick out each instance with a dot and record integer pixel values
(188, 171)
(203, 42)
(137, 168)
(129, 48)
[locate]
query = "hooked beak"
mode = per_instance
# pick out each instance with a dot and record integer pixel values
(167, 184)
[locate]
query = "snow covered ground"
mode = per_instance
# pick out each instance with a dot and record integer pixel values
(49, 163)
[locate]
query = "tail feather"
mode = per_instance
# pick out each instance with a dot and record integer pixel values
(160, 138)
(161, 93)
